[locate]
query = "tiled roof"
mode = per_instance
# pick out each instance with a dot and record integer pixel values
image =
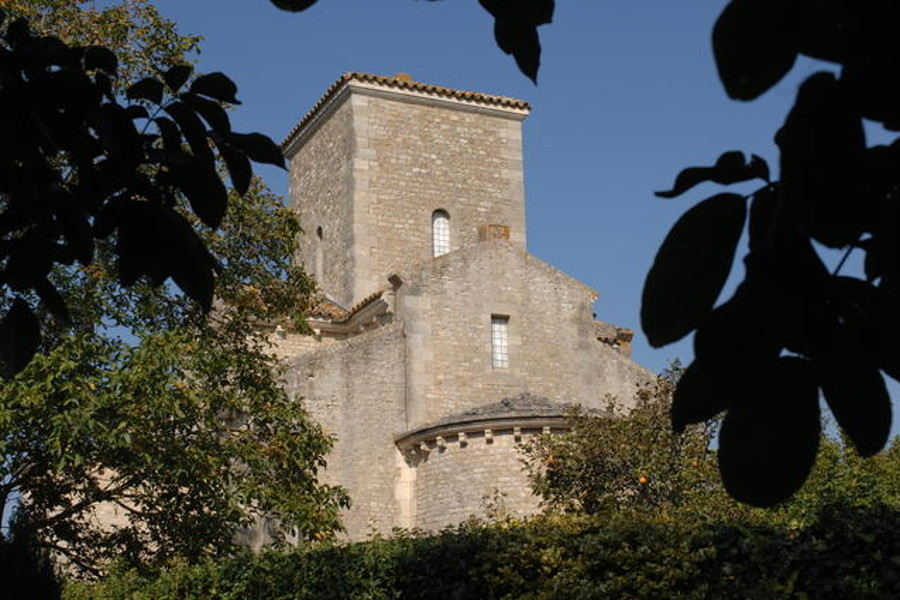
(404, 82)
(365, 302)
(328, 309)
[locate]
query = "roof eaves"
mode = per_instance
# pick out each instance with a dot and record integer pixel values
(403, 83)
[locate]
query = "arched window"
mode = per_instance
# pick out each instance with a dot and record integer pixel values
(440, 232)
(500, 341)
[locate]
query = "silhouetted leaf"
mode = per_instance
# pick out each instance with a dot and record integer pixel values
(76, 229)
(696, 398)
(237, 163)
(177, 76)
(193, 273)
(886, 323)
(754, 45)
(515, 29)
(136, 111)
(146, 89)
(118, 134)
(731, 167)
(824, 30)
(739, 341)
(192, 128)
(764, 208)
(205, 192)
(872, 61)
(216, 86)
(211, 112)
(855, 390)
(134, 222)
(51, 299)
(171, 135)
(258, 147)
(293, 5)
(768, 443)
(690, 268)
(822, 150)
(98, 57)
(20, 335)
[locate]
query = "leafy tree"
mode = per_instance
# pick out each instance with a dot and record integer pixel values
(80, 164)
(631, 462)
(144, 40)
(626, 460)
(141, 405)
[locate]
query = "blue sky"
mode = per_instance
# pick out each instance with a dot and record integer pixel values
(628, 95)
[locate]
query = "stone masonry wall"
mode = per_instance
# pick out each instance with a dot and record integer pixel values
(462, 481)
(354, 389)
(413, 159)
(321, 183)
(552, 353)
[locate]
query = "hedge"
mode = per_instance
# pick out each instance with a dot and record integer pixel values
(845, 554)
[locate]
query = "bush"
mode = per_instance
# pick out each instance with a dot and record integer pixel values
(847, 553)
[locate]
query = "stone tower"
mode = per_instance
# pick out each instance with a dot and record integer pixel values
(440, 343)
(378, 157)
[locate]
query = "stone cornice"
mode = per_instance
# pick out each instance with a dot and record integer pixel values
(512, 422)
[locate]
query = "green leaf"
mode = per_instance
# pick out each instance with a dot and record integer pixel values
(258, 147)
(754, 45)
(20, 335)
(691, 267)
(147, 88)
(768, 442)
(177, 76)
(216, 86)
(731, 167)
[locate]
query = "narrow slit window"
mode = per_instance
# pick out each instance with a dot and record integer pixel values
(500, 342)
(440, 232)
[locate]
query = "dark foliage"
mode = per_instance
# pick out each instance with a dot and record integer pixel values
(515, 27)
(79, 164)
(792, 329)
(847, 553)
(26, 570)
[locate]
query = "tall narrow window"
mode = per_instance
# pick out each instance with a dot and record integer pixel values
(440, 232)
(499, 342)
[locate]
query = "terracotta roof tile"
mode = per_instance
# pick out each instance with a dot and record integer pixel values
(328, 309)
(405, 82)
(365, 302)
(332, 311)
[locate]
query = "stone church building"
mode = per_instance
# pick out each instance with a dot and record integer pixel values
(441, 343)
